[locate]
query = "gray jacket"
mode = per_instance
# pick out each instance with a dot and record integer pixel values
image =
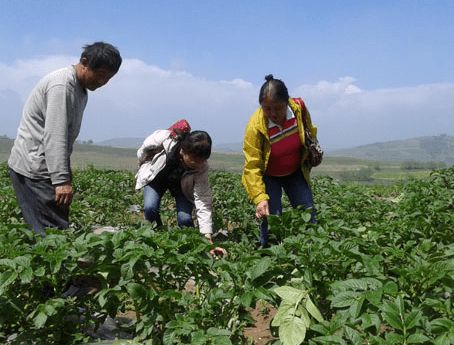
(49, 127)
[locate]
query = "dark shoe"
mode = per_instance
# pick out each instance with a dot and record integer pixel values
(262, 246)
(83, 286)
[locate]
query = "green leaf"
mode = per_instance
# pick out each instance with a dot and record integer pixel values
(198, 338)
(371, 320)
(353, 336)
(440, 325)
(262, 293)
(225, 340)
(412, 319)
(306, 217)
(394, 338)
(442, 340)
(313, 310)
(391, 313)
(259, 268)
(246, 298)
(40, 271)
(137, 291)
(355, 307)
(305, 316)
(400, 305)
(344, 299)
(169, 337)
(321, 328)
(375, 297)
(218, 332)
(292, 331)
(40, 320)
(285, 310)
(290, 294)
(417, 338)
(350, 284)
(330, 339)
(26, 275)
(6, 279)
(357, 284)
(49, 309)
(373, 265)
(393, 320)
(102, 300)
(8, 263)
(390, 288)
(23, 261)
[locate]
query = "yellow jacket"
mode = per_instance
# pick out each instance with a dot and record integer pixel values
(257, 147)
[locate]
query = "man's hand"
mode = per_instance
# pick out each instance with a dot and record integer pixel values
(262, 210)
(64, 194)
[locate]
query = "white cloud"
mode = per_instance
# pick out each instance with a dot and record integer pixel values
(11, 104)
(348, 116)
(143, 97)
(22, 75)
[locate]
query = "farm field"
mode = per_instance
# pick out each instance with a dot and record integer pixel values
(377, 268)
(341, 168)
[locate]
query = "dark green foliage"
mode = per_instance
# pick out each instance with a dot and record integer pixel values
(379, 265)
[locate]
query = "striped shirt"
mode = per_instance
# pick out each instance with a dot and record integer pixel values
(285, 155)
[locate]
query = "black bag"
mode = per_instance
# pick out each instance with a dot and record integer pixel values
(315, 151)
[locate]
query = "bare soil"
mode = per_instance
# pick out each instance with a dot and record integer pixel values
(263, 313)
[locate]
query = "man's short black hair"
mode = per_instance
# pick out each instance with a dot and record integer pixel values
(102, 55)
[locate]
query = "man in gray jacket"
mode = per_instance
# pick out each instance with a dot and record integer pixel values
(39, 164)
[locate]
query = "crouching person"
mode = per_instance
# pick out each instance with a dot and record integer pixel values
(175, 159)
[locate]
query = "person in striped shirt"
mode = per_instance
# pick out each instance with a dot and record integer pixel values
(275, 154)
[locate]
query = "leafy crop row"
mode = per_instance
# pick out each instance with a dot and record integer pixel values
(377, 268)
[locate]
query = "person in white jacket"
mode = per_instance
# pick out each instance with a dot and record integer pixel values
(178, 164)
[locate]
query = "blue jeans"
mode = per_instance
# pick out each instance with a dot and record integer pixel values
(152, 195)
(297, 190)
(36, 199)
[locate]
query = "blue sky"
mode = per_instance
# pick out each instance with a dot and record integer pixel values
(368, 70)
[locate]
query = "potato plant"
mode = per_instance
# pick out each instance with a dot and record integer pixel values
(376, 268)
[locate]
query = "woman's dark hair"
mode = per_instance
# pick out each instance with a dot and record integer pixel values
(274, 89)
(102, 55)
(197, 144)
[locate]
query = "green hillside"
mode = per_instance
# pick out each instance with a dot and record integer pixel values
(423, 149)
(374, 167)
(105, 157)
(5, 148)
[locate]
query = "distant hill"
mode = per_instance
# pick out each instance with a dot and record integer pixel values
(126, 143)
(5, 146)
(423, 149)
(134, 143)
(229, 148)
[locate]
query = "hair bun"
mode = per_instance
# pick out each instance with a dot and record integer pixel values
(269, 77)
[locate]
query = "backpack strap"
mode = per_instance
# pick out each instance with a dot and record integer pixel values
(300, 102)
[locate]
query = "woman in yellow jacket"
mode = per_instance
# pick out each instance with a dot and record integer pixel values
(275, 154)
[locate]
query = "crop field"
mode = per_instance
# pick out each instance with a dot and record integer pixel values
(341, 168)
(376, 268)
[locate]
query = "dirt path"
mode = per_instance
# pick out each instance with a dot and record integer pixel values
(260, 332)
